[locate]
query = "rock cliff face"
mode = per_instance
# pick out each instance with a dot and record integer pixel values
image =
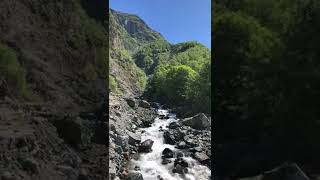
(53, 65)
(126, 34)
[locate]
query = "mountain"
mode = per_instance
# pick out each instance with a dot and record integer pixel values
(127, 34)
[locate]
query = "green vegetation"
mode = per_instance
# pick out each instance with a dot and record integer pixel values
(266, 73)
(113, 85)
(149, 56)
(181, 79)
(12, 75)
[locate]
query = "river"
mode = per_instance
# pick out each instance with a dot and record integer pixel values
(150, 163)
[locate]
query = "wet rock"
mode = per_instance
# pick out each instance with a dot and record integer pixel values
(146, 146)
(173, 125)
(180, 169)
(166, 161)
(134, 138)
(195, 149)
(144, 104)
(154, 105)
(201, 157)
(131, 102)
(180, 161)
(199, 121)
(137, 168)
(135, 176)
(167, 153)
(182, 145)
(179, 154)
(169, 138)
(190, 141)
(159, 177)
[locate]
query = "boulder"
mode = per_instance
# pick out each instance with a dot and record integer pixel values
(169, 138)
(180, 161)
(201, 157)
(199, 122)
(122, 141)
(166, 161)
(180, 169)
(167, 153)
(190, 142)
(135, 176)
(134, 138)
(131, 102)
(287, 171)
(146, 146)
(182, 145)
(173, 125)
(144, 104)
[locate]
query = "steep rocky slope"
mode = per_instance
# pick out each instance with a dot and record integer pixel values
(127, 34)
(53, 64)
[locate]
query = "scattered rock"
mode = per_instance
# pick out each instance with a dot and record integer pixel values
(199, 121)
(144, 104)
(146, 146)
(131, 102)
(180, 169)
(173, 125)
(167, 153)
(135, 176)
(201, 157)
(180, 161)
(182, 145)
(169, 138)
(134, 138)
(69, 130)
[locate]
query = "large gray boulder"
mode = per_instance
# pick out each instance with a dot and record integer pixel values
(146, 146)
(134, 138)
(131, 102)
(199, 122)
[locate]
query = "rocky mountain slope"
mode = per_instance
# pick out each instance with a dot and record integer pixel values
(53, 66)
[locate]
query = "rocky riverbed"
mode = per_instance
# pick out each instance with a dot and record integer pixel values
(147, 143)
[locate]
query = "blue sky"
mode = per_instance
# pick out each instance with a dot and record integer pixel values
(177, 20)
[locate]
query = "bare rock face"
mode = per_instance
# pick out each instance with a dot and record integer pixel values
(199, 122)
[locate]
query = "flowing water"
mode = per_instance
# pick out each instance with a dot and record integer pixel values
(150, 163)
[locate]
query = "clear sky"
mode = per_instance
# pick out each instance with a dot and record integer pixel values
(177, 20)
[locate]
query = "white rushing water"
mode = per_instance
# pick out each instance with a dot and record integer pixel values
(150, 163)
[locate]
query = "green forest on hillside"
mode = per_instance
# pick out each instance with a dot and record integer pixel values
(267, 76)
(178, 75)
